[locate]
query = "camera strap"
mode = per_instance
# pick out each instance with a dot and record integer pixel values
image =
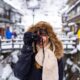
(43, 52)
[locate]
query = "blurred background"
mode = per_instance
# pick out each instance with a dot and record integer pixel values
(17, 15)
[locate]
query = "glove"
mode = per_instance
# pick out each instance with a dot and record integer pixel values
(27, 38)
(30, 37)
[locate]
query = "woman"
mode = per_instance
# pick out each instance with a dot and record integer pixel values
(42, 54)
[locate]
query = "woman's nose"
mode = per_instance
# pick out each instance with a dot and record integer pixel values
(44, 38)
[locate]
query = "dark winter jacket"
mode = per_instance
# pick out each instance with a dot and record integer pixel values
(25, 68)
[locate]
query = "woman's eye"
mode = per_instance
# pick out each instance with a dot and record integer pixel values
(43, 34)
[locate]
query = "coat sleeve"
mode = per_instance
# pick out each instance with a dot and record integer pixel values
(22, 67)
(61, 69)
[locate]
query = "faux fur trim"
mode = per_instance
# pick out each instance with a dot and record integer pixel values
(52, 35)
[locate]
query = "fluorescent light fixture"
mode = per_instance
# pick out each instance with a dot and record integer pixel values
(33, 4)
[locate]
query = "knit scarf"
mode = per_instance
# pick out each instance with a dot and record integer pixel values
(49, 63)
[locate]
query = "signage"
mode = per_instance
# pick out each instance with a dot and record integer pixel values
(78, 33)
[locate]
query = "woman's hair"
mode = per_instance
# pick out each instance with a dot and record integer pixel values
(52, 36)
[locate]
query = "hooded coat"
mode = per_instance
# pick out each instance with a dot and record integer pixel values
(25, 68)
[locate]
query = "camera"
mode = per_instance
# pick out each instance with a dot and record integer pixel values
(36, 37)
(30, 37)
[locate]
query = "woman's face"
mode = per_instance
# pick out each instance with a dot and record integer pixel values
(44, 42)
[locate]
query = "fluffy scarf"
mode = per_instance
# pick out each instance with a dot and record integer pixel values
(49, 63)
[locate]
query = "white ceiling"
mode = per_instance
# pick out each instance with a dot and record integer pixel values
(49, 9)
(45, 6)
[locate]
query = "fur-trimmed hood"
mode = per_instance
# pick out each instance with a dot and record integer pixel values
(58, 45)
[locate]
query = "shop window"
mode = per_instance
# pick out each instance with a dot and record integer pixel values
(1, 12)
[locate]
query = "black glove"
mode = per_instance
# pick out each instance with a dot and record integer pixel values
(30, 37)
